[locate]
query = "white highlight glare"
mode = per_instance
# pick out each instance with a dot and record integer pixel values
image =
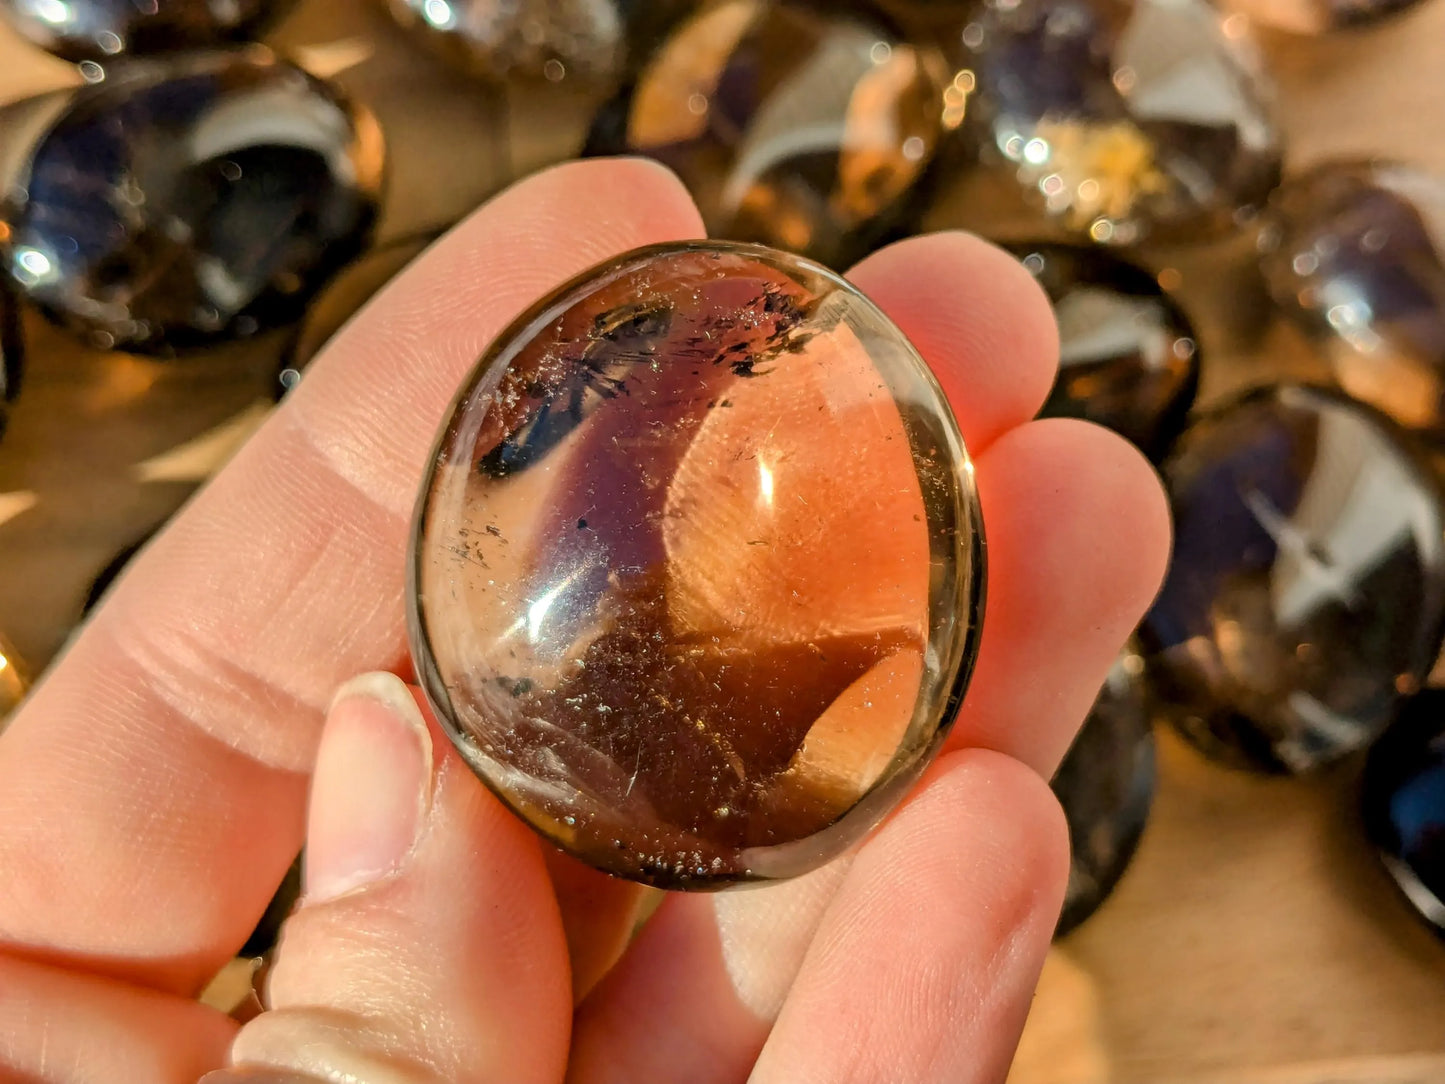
(765, 482)
(439, 14)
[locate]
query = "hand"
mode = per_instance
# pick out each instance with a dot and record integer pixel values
(156, 785)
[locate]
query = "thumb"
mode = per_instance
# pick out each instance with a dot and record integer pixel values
(427, 946)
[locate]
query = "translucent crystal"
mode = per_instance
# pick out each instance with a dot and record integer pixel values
(1354, 252)
(1118, 120)
(791, 123)
(1306, 597)
(698, 566)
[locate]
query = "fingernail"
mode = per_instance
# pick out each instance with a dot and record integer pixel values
(371, 789)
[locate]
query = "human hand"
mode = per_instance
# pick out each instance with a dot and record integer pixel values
(156, 785)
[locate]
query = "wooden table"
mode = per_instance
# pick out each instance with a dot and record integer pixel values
(1255, 940)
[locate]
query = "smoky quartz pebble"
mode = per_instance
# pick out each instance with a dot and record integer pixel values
(202, 199)
(797, 125)
(1355, 253)
(532, 39)
(1118, 120)
(99, 30)
(1403, 800)
(1106, 786)
(1307, 591)
(697, 569)
(1129, 358)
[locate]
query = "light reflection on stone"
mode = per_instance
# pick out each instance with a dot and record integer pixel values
(1354, 252)
(791, 124)
(697, 573)
(1119, 120)
(1306, 598)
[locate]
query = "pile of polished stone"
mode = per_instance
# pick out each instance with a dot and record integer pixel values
(191, 191)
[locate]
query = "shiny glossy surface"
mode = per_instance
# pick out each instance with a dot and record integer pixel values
(1355, 253)
(1129, 358)
(1106, 786)
(346, 295)
(1307, 591)
(1403, 800)
(536, 39)
(1119, 120)
(794, 125)
(203, 199)
(103, 29)
(698, 570)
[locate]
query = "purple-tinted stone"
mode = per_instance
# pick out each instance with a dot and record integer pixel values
(1403, 800)
(102, 29)
(1082, 102)
(201, 199)
(1355, 253)
(1129, 359)
(697, 570)
(1106, 786)
(1307, 592)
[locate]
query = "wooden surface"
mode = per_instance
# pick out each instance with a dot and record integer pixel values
(1255, 940)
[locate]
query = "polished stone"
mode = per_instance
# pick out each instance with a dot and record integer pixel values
(1129, 358)
(1307, 592)
(342, 299)
(1106, 786)
(697, 573)
(547, 40)
(99, 30)
(1319, 16)
(792, 125)
(1403, 800)
(1117, 121)
(1355, 253)
(203, 199)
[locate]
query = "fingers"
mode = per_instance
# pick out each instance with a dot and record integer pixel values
(1078, 540)
(61, 1028)
(428, 947)
(713, 972)
(980, 319)
(176, 734)
(925, 963)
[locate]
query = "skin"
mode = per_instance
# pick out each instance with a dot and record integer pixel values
(156, 785)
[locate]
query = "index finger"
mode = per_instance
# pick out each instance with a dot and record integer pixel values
(153, 788)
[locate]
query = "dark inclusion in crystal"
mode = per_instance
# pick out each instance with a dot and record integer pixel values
(1307, 591)
(342, 299)
(1404, 803)
(698, 567)
(798, 125)
(267, 932)
(1118, 119)
(1106, 786)
(102, 29)
(203, 199)
(1355, 253)
(1129, 359)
